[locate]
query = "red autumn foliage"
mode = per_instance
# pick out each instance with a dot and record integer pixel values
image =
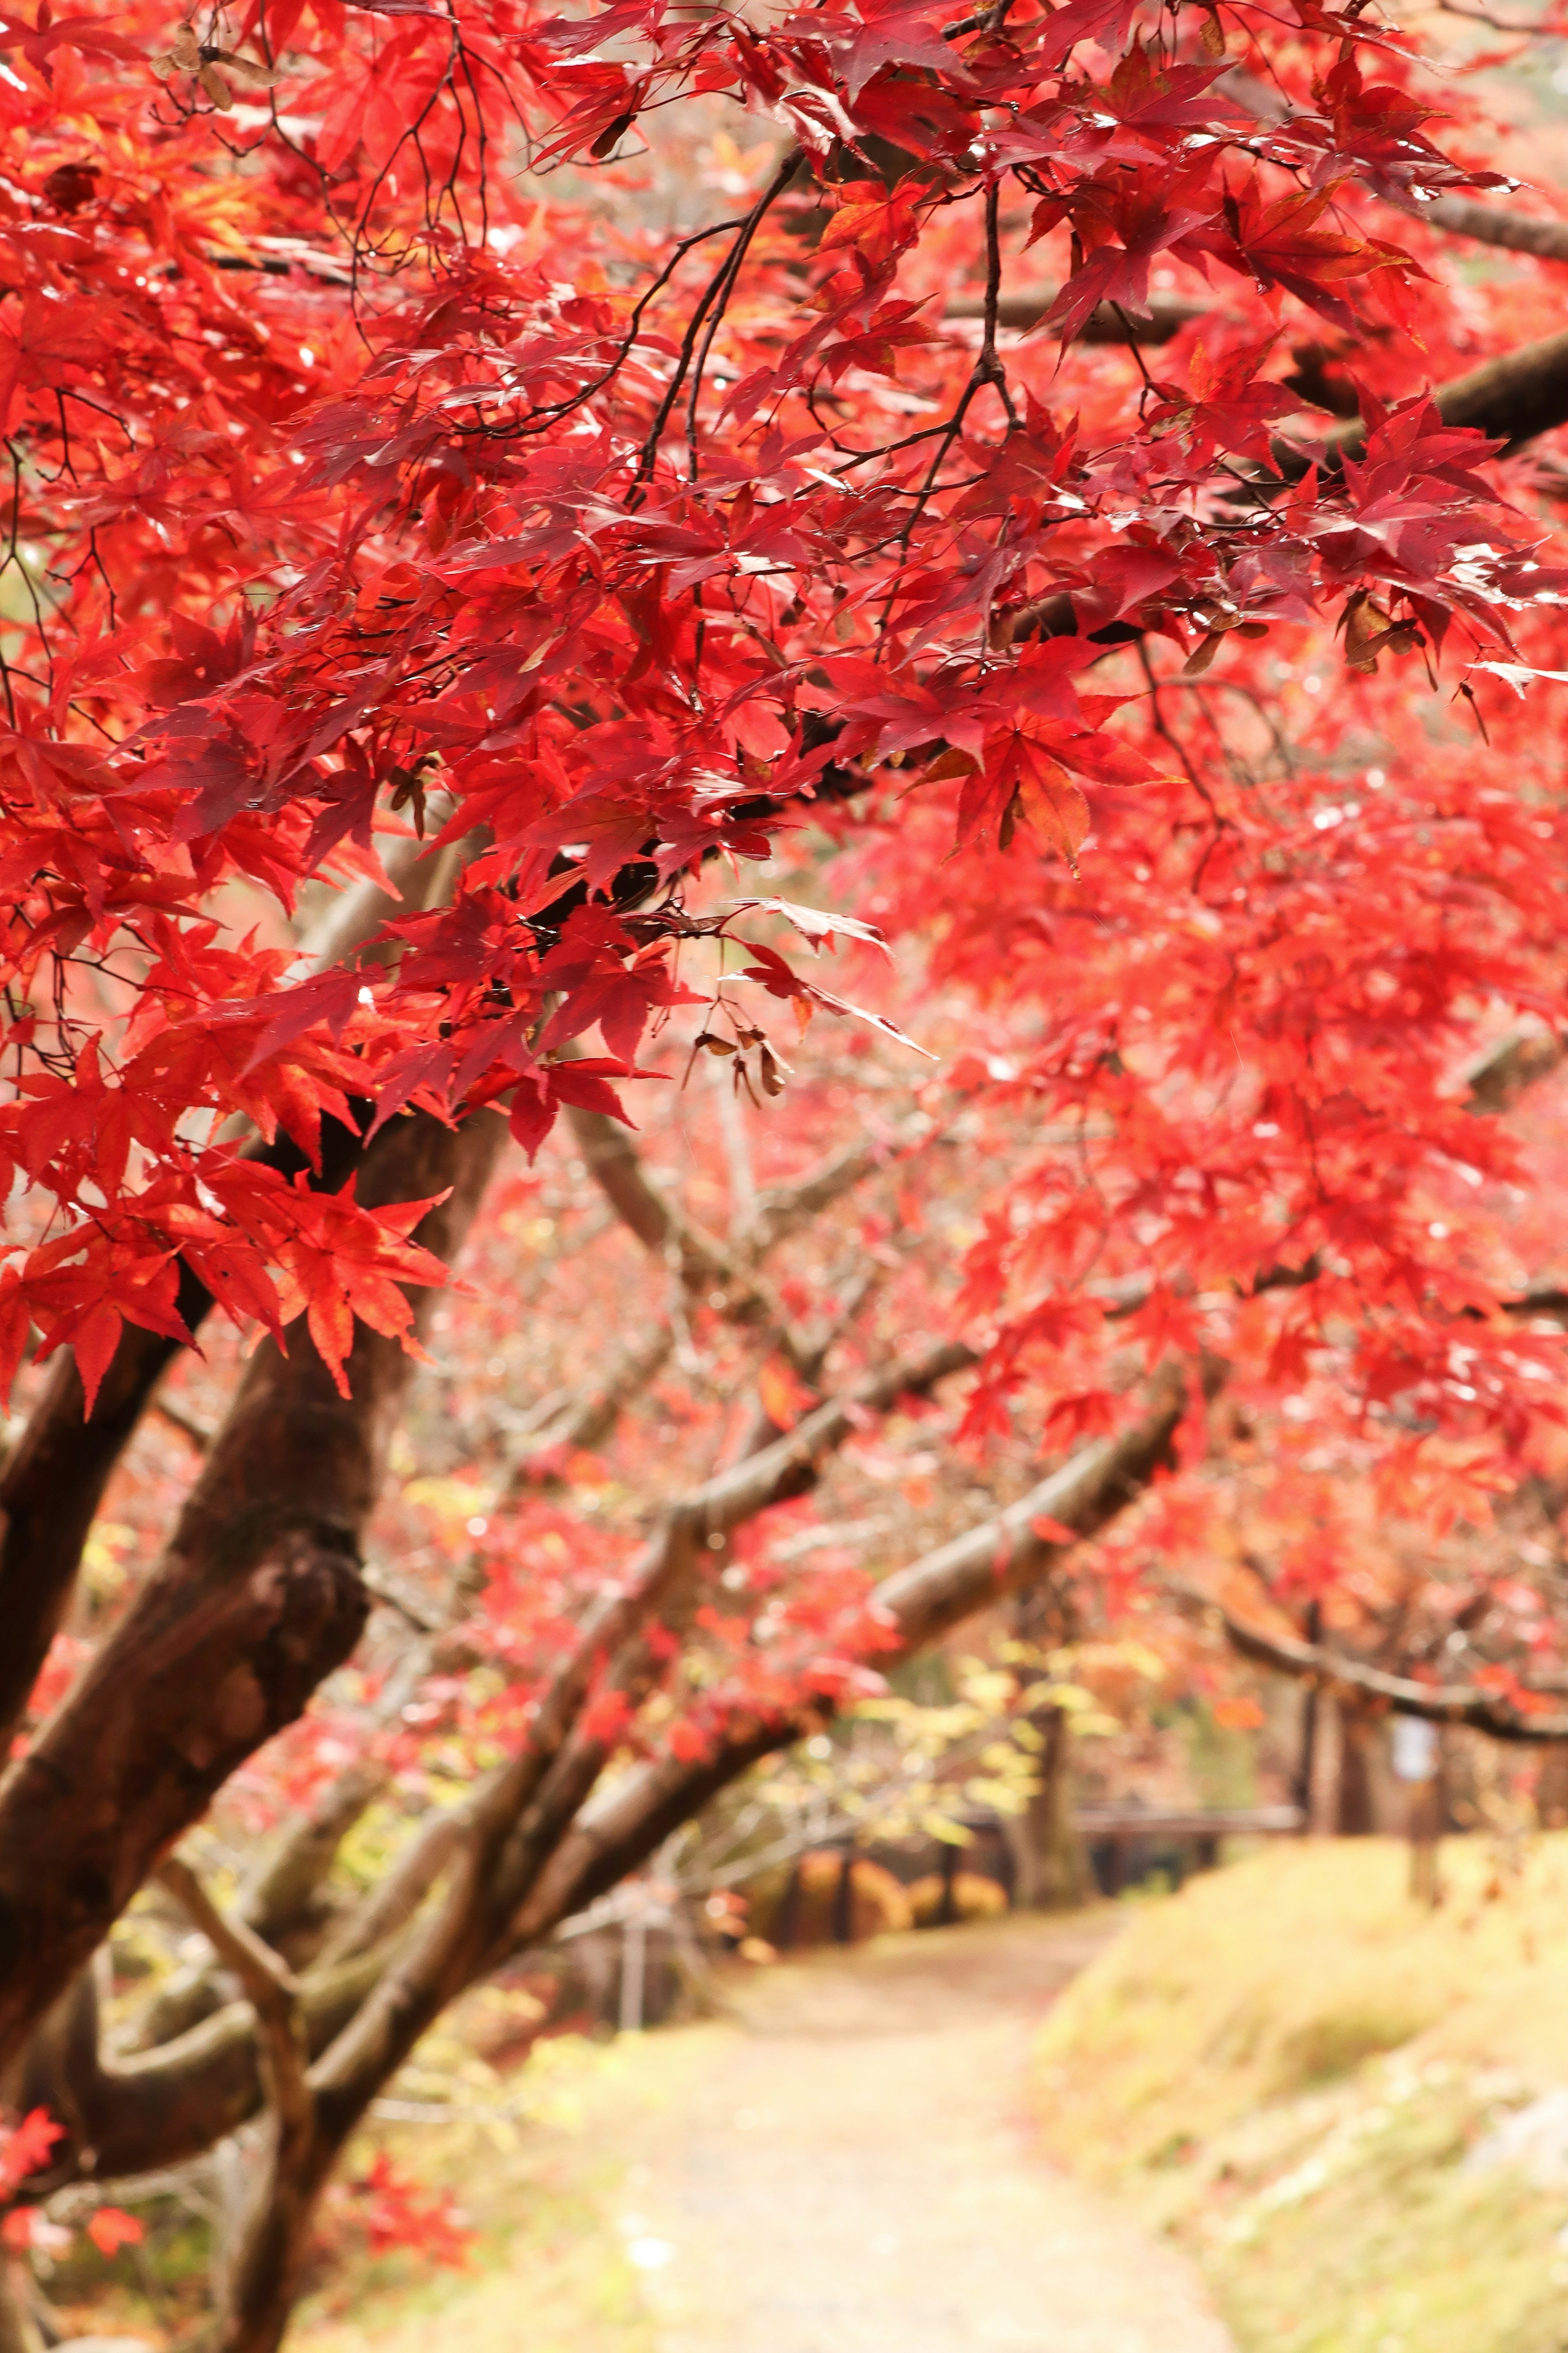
(358, 475)
(394, 505)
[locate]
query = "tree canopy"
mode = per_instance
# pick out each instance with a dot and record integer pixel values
(992, 581)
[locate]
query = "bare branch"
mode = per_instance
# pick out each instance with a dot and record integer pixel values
(1486, 223)
(705, 1268)
(1499, 1076)
(587, 1420)
(1162, 319)
(198, 1435)
(1008, 1551)
(781, 1210)
(1467, 1703)
(1499, 224)
(270, 1987)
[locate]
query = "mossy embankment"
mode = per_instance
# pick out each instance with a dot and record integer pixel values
(1339, 2101)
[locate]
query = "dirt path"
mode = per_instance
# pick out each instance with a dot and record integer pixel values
(851, 2169)
(847, 2167)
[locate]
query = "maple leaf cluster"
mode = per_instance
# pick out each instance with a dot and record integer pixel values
(367, 492)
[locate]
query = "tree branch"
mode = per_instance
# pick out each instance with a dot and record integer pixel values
(52, 1481)
(256, 1598)
(270, 1987)
(780, 1210)
(1164, 318)
(1486, 223)
(1089, 1489)
(706, 1268)
(616, 1832)
(585, 1419)
(1467, 1703)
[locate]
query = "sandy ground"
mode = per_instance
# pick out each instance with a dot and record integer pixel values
(847, 2164)
(851, 2169)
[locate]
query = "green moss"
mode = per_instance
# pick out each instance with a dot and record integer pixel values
(1336, 2043)
(1287, 2066)
(1400, 2250)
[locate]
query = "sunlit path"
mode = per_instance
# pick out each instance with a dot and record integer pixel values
(852, 2170)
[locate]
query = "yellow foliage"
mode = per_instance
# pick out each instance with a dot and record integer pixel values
(1289, 2065)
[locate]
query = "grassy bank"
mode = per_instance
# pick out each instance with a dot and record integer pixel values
(1310, 2082)
(546, 2167)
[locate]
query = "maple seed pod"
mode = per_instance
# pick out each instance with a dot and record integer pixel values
(1197, 663)
(186, 57)
(610, 138)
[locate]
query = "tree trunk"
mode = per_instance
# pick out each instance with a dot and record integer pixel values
(258, 1598)
(1552, 1789)
(53, 1483)
(1353, 1813)
(1050, 1871)
(264, 2271)
(17, 2332)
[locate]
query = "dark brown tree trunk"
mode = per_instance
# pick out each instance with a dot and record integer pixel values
(53, 1481)
(258, 1597)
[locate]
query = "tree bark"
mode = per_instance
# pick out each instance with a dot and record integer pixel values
(1050, 1872)
(258, 1597)
(1353, 1810)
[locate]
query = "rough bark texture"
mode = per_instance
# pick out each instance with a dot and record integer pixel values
(258, 1597)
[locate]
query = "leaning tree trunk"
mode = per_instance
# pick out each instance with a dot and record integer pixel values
(257, 1599)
